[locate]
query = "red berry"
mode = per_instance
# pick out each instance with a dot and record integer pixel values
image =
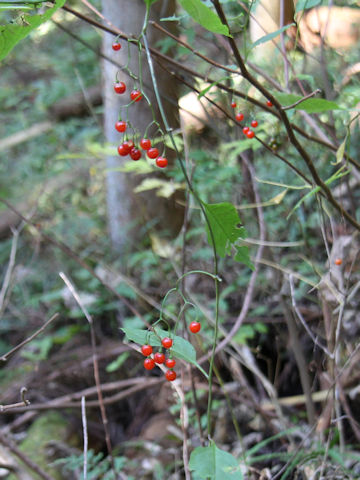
(146, 350)
(120, 87)
(166, 342)
(120, 126)
(116, 46)
(233, 104)
(149, 363)
(135, 95)
(194, 327)
(239, 117)
(254, 123)
(135, 153)
(338, 261)
(246, 129)
(153, 152)
(159, 357)
(269, 104)
(145, 143)
(250, 134)
(129, 144)
(170, 362)
(170, 375)
(161, 162)
(123, 150)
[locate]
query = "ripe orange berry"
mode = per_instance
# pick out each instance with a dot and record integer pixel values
(338, 261)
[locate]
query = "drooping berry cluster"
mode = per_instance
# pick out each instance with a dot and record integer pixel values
(239, 116)
(159, 358)
(128, 146)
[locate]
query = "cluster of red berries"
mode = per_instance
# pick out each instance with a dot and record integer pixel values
(240, 117)
(128, 147)
(159, 358)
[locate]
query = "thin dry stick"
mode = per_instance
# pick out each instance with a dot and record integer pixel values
(303, 322)
(95, 365)
(24, 402)
(282, 41)
(65, 402)
(312, 94)
(85, 434)
(29, 339)
(9, 270)
(8, 443)
(184, 426)
(300, 361)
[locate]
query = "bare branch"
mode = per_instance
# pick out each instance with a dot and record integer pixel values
(29, 339)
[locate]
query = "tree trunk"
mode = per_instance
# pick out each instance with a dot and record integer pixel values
(125, 207)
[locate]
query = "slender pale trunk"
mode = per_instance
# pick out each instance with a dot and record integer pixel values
(124, 207)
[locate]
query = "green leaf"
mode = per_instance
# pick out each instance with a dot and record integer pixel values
(271, 35)
(310, 105)
(181, 348)
(224, 221)
(341, 150)
(165, 188)
(305, 4)
(250, 452)
(11, 34)
(203, 15)
(215, 464)
(141, 167)
(208, 88)
(317, 105)
(117, 363)
(242, 256)
(245, 333)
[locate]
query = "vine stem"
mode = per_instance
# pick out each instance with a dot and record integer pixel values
(201, 205)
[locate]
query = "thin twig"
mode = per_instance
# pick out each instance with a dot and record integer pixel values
(95, 366)
(9, 270)
(302, 320)
(8, 443)
(282, 42)
(299, 359)
(85, 434)
(4, 358)
(312, 94)
(65, 401)
(24, 402)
